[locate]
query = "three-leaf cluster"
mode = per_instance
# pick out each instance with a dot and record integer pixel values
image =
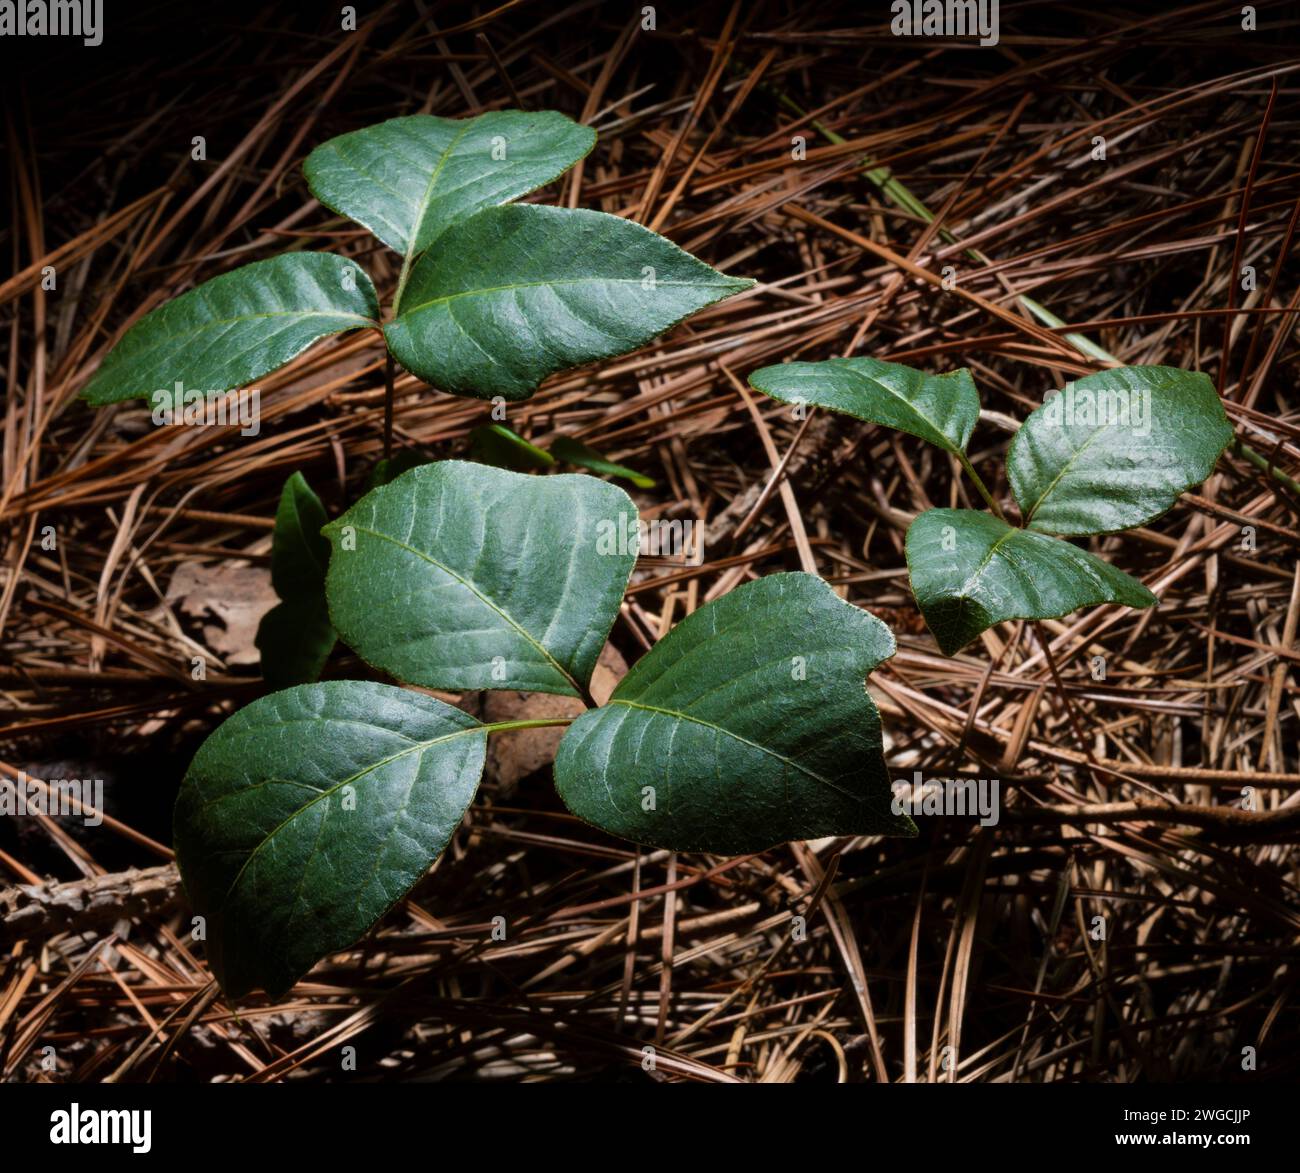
(1109, 452)
(493, 296)
(310, 812)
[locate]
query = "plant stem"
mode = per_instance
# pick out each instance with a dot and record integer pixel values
(980, 486)
(1264, 464)
(529, 723)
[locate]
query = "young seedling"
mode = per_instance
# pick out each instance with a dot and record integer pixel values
(492, 298)
(309, 813)
(1110, 452)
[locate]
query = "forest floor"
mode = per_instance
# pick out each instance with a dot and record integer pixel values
(1131, 171)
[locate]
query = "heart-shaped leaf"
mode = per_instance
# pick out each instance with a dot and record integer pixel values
(747, 725)
(970, 570)
(408, 179)
(941, 409)
(236, 327)
(295, 637)
(462, 576)
(515, 293)
(1115, 449)
(307, 815)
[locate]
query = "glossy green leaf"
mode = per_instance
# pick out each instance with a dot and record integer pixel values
(750, 724)
(408, 179)
(295, 640)
(1115, 449)
(299, 554)
(295, 637)
(970, 570)
(941, 409)
(462, 576)
(497, 445)
(515, 293)
(236, 327)
(307, 815)
(573, 451)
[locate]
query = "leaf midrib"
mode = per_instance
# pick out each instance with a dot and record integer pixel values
(422, 208)
(726, 283)
(945, 441)
(972, 579)
(1065, 468)
(736, 737)
(474, 589)
(417, 747)
(214, 323)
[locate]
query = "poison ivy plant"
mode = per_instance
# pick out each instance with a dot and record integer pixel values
(308, 814)
(409, 179)
(296, 637)
(971, 570)
(942, 409)
(1109, 452)
(1115, 449)
(492, 297)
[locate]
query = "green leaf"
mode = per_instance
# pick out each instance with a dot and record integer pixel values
(295, 640)
(513, 294)
(1115, 449)
(299, 554)
(941, 409)
(307, 815)
(462, 576)
(573, 451)
(408, 179)
(497, 445)
(970, 571)
(236, 327)
(295, 637)
(751, 722)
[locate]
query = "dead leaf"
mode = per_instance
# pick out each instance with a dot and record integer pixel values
(512, 756)
(228, 599)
